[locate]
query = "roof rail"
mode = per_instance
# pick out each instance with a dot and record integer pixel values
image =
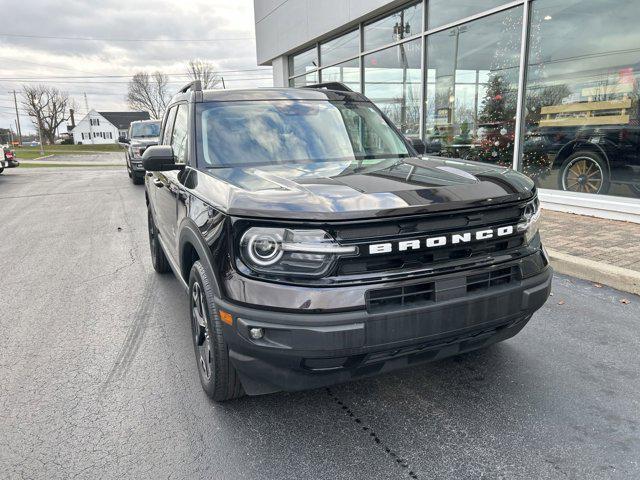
(330, 86)
(196, 86)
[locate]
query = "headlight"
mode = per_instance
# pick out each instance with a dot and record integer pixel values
(287, 252)
(530, 222)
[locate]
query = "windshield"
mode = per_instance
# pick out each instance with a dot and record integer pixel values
(274, 132)
(145, 130)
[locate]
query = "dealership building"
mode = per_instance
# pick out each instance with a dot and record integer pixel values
(547, 87)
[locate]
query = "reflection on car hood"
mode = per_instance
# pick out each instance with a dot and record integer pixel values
(370, 188)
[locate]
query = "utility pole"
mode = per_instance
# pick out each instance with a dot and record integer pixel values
(15, 102)
(223, 87)
(86, 106)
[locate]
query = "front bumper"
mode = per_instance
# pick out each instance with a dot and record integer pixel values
(136, 164)
(309, 350)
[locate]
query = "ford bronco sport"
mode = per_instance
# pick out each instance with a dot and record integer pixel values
(317, 247)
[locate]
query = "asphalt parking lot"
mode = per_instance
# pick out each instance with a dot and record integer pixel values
(97, 374)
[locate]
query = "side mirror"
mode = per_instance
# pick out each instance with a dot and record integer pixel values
(160, 158)
(417, 144)
(124, 140)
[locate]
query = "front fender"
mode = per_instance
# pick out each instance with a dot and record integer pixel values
(204, 241)
(576, 145)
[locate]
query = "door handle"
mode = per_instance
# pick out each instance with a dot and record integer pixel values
(149, 174)
(158, 183)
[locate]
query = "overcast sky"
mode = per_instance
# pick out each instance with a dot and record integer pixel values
(172, 32)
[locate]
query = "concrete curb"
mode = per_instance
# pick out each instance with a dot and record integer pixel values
(610, 275)
(39, 158)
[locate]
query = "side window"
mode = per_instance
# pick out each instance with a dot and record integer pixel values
(179, 136)
(168, 125)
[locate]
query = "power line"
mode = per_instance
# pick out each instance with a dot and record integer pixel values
(106, 82)
(106, 39)
(9, 59)
(226, 72)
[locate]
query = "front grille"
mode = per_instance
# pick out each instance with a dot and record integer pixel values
(419, 228)
(421, 260)
(448, 288)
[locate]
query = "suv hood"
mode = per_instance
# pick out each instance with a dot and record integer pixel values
(342, 190)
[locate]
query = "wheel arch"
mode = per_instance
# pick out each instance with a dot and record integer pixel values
(577, 145)
(191, 248)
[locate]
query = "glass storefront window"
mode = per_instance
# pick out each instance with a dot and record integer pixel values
(393, 81)
(471, 89)
(340, 48)
(303, 62)
(442, 12)
(582, 124)
(304, 80)
(395, 27)
(347, 73)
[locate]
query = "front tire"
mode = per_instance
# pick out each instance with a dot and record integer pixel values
(136, 178)
(584, 172)
(218, 377)
(158, 257)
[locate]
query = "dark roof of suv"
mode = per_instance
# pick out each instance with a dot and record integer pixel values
(122, 120)
(280, 94)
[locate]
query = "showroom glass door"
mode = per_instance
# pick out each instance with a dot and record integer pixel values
(471, 89)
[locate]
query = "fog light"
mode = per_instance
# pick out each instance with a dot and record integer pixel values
(256, 333)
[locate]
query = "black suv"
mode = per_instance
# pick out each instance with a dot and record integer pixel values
(142, 134)
(316, 247)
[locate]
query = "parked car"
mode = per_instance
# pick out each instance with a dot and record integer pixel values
(592, 142)
(142, 134)
(589, 159)
(10, 158)
(316, 247)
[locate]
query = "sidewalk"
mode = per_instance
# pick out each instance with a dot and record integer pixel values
(595, 249)
(102, 159)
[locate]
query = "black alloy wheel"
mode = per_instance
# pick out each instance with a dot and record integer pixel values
(201, 335)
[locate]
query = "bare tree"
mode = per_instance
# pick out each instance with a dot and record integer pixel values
(47, 108)
(149, 93)
(204, 71)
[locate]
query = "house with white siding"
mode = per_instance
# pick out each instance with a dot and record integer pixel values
(104, 127)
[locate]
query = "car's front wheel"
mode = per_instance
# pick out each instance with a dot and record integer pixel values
(218, 377)
(585, 172)
(158, 257)
(136, 178)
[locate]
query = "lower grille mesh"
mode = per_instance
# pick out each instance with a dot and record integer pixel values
(394, 298)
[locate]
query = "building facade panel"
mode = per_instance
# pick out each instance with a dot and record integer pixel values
(512, 83)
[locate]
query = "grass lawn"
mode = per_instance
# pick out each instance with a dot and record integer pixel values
(29, 153)
(62, 165)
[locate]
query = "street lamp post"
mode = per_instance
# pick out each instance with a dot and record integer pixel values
(400, 29)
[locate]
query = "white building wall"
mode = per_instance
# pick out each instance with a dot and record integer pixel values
(284, 26)
(101, 132)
